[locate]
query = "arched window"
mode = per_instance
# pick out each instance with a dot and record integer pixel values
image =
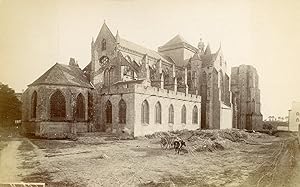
(106, 77)
(171, 114)
(183, 114)
(90, 107)
(145, 112)
(80, 108)
(195, 115)
(297, 120)
(57, 106)
(111, 75)
(122, 111)
(33, 104)
(297, 114)
(158, 112)
(103, 45)
(108, 112)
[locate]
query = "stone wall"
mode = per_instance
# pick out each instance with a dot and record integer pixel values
(246, 97)
(166, 98)
(225, 117)
(44, 93)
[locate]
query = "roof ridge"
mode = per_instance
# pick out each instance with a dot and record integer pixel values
(137, 44)
(175, 40)
(141, 49)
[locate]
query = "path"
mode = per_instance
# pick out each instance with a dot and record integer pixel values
(295, 178)
(9, 163)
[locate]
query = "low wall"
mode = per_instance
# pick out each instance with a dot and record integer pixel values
(49, 129)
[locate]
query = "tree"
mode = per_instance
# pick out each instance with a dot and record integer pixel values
(10, 106)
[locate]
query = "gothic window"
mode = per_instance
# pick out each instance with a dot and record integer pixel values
(103, 45)
(195, 115)
(106, 77)
(122, 111)
(111, 75)
(90, 106)
(297, 114)
(108, 112)
(33, 104)
(158, 112)
(80, 108)
(57, 106)
(171, 114)
(183, 114)
(145, 112)
(297, 120)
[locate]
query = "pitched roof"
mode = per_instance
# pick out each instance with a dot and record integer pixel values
(104, 27)
(177, 39)
(140, 49)
(61, 74)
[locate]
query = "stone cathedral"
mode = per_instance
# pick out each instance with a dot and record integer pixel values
(127, 88)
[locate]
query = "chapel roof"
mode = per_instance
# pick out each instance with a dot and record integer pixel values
(61, 74)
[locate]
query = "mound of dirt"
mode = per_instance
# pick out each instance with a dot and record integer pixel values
(210, 140)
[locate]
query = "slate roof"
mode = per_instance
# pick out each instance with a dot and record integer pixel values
(177, 39)
(141, 49)
(61, 74)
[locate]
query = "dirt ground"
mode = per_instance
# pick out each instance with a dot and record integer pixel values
(104, 161)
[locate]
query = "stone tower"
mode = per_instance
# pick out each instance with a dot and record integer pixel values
(245, 97)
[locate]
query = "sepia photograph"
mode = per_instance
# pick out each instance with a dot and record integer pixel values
(149, 93)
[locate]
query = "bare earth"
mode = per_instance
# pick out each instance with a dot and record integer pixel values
(96, 161)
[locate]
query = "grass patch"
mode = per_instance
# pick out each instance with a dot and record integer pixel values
(53, 146)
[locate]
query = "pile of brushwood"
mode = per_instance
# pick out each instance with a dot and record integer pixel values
(210, 140)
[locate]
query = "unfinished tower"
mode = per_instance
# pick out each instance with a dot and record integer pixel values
(245, 97)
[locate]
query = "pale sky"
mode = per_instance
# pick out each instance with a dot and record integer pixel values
(35, 34)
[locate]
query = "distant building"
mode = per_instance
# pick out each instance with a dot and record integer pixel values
(246, 98)
(294, 116)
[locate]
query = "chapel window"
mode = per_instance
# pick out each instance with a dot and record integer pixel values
(103, 45)
(57, 106)
(33, 104)
(195, 115)
(80, 108)
(145, 112)
(158, 112)
(122, 111)
(171, 114)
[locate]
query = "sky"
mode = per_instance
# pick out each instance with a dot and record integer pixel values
(35, 34)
